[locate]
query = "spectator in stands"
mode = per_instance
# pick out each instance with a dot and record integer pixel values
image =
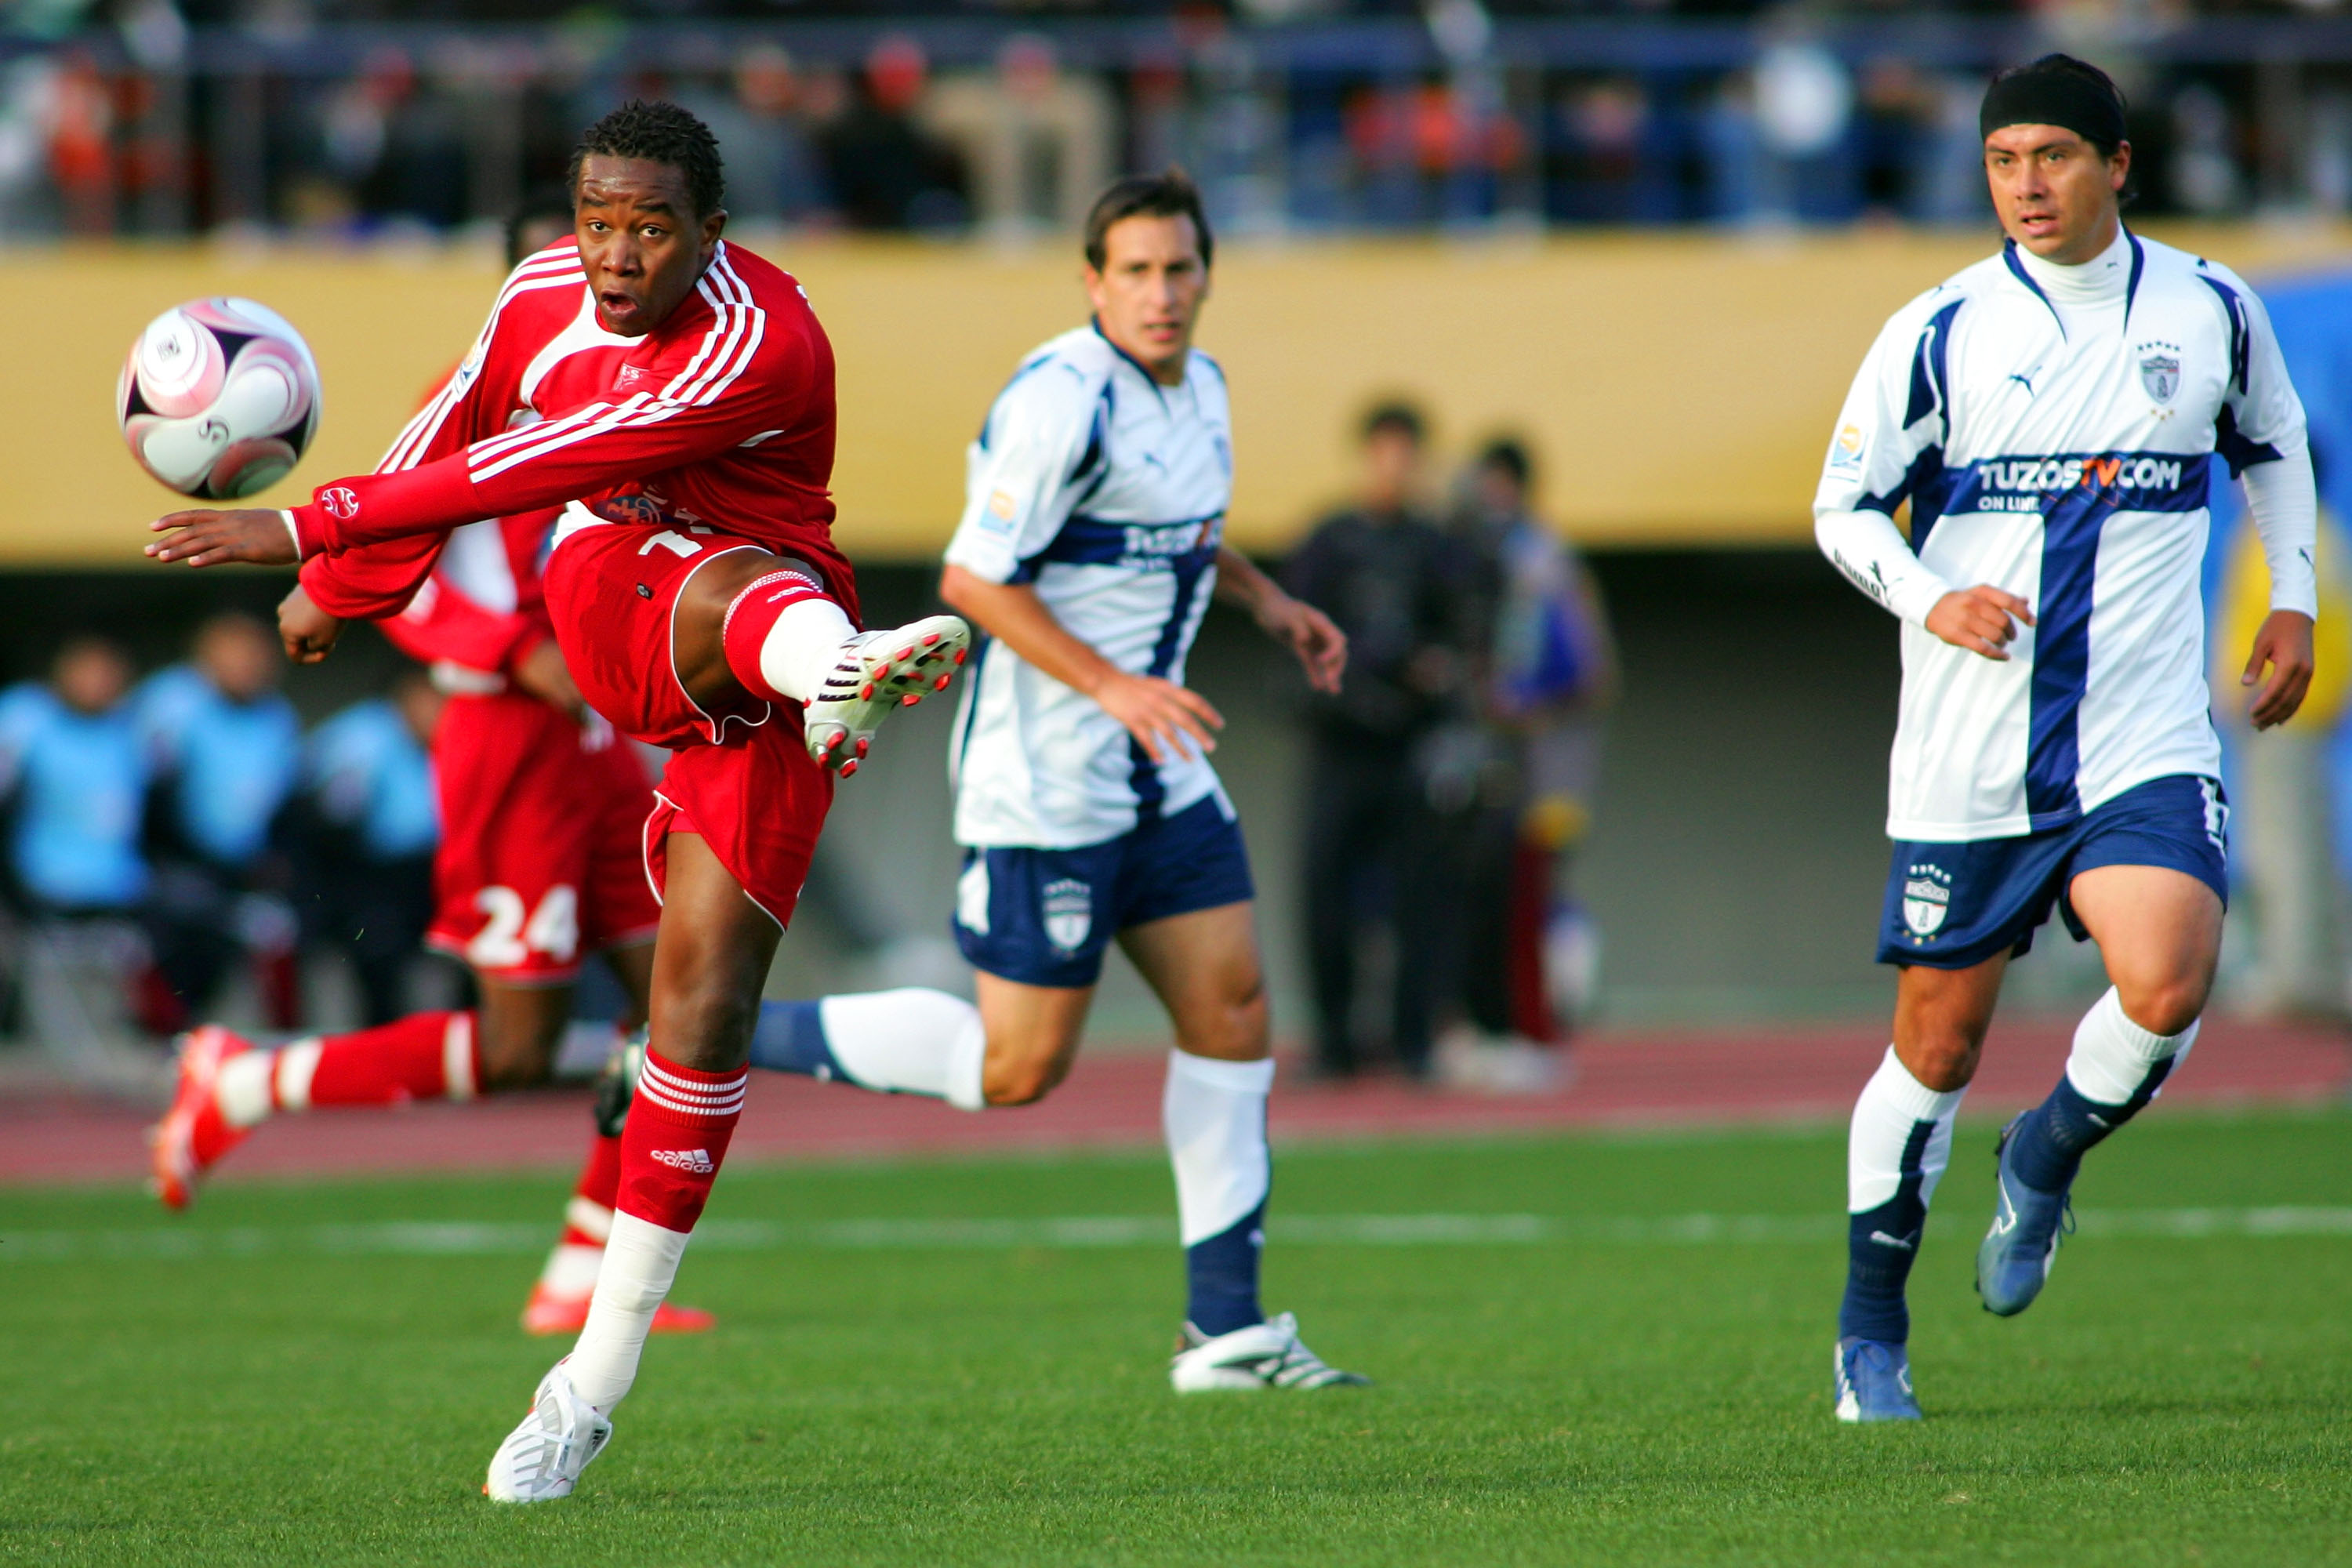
(1039, 141)
(73, 785)
(74, 775)
(772, 170)
(1547, 671)
(886, 172)
(1394, 583)
(226, 749)
(373, 829)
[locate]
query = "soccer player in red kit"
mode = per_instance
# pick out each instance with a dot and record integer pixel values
(541, 812)
(684, 402)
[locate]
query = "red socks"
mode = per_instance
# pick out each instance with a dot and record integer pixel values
(426, 1056)
(679, 1129)
(752, 615)
(588, 1217)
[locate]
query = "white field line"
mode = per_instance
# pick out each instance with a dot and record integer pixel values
(437, 1239)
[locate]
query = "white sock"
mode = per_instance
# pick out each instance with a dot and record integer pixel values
(1214, 1115)
(1885, 1120)
(640, 1265)
(571, 1266)
(242, 1089)
(2113, 1056)
(570, 1269)
(804, 645)
(912, 1040)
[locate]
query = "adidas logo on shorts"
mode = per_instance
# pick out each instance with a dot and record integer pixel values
(693, 1161)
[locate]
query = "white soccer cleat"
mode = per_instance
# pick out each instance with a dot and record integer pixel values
(1264, 1355)
(542, 1457)
(878, 673)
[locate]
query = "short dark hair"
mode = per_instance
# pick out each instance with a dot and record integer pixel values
(543, 203)
(1398, 415)
(660, 134)
(2080, 74)
(1509, 454)
(1168, 193)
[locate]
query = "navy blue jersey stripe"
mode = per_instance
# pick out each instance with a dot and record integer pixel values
(1151, 790)
(2071, 526)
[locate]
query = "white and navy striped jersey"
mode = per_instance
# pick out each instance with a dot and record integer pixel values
(1107, 493)
(2055, 430)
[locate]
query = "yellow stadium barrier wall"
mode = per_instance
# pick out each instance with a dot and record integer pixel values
(1678, 390)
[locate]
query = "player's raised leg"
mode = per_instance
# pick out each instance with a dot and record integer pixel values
(2160, 932)
(227, 1086)
(709, 962)
(1898, 1149)
(786, 640)
(910, 1040)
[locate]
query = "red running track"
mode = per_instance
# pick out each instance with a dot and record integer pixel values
(1112, 1100)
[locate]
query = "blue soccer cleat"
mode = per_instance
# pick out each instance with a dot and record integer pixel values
(2014, 1260)
(1873, 1382)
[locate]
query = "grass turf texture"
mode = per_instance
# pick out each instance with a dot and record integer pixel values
(2170, 1398)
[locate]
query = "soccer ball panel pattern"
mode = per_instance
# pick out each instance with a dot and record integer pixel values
(219, 398)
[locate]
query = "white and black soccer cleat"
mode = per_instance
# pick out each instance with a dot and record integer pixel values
(541, 1460)
(877, 674)
(1263, 1356)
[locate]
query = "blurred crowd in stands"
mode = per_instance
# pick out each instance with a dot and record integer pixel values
(354, 118)
(166, 839)
(1449, 781)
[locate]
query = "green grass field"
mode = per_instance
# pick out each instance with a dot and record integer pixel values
(939, 1362)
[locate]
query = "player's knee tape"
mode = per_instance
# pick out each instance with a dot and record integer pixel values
(2115, 1062)
(754, 614)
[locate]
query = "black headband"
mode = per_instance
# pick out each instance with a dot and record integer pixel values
(2088, 108)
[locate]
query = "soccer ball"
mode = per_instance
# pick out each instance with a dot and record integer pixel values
(218, 398)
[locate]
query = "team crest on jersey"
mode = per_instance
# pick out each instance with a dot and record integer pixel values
(340, 501)
(1927, 898)
(1846, 452)
(1068, 908)
(2159, 370)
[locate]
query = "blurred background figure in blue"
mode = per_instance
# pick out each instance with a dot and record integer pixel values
(374, 822)
(1528, 760)
(226, 748)
(73, 779)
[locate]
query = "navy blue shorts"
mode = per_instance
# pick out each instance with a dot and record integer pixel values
(1952, 905)
(1044, 917)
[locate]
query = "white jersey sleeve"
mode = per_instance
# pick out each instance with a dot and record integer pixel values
(2261, 435)
(1891, 434)
(1043, 440)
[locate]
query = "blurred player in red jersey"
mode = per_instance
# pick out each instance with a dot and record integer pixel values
(683, 402)
(539, 863)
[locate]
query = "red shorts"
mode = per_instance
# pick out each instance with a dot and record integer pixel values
(741, 778)
(539, 821)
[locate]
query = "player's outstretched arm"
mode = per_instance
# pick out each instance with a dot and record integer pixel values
(2285, 644)
(1982, 619)
(1321, 646)
(1165, 719)
(252, 534)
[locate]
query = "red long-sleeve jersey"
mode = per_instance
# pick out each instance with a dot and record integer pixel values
(484, 606)
(723, 417)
